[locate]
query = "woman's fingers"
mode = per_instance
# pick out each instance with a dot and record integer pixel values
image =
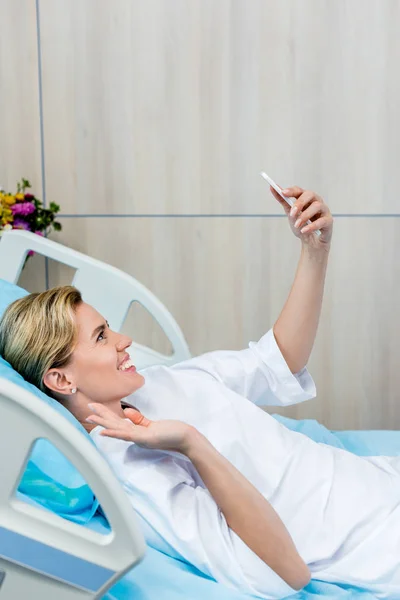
(302, 202)
(114, 425)
(136, 417)
(308, 207)
(117, 433)
(316, 208)
(320, 224)
(103, 421)
(100, 414)
(110, 433)
(293, 192)
(94, 419)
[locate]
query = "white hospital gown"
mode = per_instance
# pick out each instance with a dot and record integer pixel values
(342, 511)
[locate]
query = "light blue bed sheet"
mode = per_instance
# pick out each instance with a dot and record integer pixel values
(160, 577)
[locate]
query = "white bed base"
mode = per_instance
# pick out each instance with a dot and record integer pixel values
(24, 418)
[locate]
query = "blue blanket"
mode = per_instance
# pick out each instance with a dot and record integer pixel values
(162, 577)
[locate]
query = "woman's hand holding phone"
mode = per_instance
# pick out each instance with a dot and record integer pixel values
(307, 212)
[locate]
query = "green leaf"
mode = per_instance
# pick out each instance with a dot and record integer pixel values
(57, 226)
(54, 207)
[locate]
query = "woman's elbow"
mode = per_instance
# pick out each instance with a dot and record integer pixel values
(302, 579)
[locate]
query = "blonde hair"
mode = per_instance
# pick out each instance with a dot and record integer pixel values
(38, 332)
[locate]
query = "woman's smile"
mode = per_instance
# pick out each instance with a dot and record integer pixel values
(127, 366)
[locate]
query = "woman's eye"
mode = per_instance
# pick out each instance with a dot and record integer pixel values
(101, 336)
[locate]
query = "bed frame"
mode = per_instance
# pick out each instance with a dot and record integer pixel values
(42, 555)
(108, 289)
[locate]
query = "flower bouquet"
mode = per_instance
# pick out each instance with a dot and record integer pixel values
(24, 211)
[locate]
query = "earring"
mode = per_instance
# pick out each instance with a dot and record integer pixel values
(73, 390)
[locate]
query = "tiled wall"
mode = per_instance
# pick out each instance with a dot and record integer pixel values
(148, 122)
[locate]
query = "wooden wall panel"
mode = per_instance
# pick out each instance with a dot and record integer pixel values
(19, 96)
(20, 154)
(225, 280)
(174, 107)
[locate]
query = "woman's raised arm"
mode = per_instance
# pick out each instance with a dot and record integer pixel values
(297, 325)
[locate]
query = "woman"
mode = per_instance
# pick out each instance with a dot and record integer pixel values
(215, 480)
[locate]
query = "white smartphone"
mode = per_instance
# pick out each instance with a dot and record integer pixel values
(286, 198)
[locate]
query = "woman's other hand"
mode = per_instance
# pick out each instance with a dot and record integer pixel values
(307, 206)
(161, 435)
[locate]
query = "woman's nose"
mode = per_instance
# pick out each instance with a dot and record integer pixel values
(123, 342)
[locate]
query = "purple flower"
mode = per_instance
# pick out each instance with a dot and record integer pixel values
(23, 209)
(21, 224)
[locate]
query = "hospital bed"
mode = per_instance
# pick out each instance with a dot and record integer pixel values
(67, 528)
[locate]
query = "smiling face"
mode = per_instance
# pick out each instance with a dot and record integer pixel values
(97, 367)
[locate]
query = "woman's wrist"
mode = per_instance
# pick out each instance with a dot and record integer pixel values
(318, 255)
(192, 441)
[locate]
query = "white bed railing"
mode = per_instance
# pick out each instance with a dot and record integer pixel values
(108, 289)
(35, 544)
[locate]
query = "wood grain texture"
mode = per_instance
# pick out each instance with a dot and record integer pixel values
(19, 96)
(225, 280)
(19, 112)
(33, 276)
(174, 107)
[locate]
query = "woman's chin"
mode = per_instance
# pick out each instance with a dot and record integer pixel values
(136, 382)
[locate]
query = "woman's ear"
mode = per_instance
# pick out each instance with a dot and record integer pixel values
(56, 381)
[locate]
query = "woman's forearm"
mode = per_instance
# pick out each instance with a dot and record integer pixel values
(247, 512)
(297, 325)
